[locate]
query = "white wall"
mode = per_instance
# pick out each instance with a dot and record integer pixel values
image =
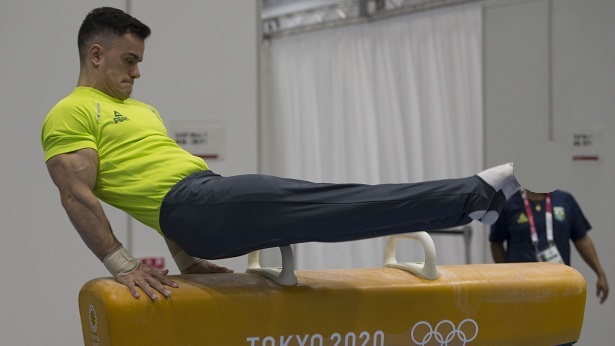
(531, 91)
(516, 91)
(201, 63)
(584, 93)
(44, 263)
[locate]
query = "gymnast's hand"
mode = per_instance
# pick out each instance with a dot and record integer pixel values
(149, 280)
(205, 267)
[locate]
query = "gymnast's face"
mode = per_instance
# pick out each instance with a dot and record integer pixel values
(117, 65)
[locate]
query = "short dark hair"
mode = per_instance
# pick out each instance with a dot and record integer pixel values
(105, 23)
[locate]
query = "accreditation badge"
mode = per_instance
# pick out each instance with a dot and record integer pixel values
(550, 254)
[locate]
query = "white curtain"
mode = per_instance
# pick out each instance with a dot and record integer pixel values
(398, 100)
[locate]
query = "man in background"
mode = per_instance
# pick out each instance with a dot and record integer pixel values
(525, 233)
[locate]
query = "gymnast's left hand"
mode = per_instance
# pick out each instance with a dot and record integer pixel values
(205, 267)
(149, 280)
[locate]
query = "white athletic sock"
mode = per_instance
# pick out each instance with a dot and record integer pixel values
(478, 214)
(501, 178)
(490, 217)
(494, 209)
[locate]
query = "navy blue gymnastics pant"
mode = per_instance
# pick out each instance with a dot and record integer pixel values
(213, 217)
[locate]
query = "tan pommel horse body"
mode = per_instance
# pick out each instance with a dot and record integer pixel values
(486, 304)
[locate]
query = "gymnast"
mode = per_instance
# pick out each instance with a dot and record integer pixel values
(100, 144)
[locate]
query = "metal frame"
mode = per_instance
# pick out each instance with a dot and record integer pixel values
(346, 13)
(465, 231)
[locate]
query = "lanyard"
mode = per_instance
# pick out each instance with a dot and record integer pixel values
(548, 219)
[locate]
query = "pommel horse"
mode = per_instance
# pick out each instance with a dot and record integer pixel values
(399, 304)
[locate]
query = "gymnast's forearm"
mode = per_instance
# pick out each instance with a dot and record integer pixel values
(75, 174)
(88, 217)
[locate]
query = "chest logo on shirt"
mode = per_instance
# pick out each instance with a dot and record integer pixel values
(522, 219)
(559, 214)
(118, 117)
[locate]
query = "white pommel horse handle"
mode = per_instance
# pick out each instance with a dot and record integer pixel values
(284, 276)
(427, 270)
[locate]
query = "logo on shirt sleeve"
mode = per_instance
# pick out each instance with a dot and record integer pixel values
(118, 117)
(559, 214)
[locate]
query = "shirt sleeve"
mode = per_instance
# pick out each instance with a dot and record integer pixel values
(579, 222)
(68, 129)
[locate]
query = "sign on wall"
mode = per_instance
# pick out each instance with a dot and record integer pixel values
(202, 138)
(587, 142)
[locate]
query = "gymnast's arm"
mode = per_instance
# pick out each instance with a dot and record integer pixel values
(74, 174)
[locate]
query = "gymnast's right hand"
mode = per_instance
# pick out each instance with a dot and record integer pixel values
(149, 280)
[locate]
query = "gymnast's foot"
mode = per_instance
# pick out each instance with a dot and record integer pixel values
(503, 181)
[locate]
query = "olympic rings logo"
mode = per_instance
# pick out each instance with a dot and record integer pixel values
(444, 332)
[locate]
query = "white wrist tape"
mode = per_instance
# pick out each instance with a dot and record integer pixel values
(185, 261)
(119, 262)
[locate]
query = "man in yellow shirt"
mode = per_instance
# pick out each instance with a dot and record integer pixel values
(101, 144)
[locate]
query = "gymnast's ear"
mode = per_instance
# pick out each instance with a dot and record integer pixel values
(96, 54)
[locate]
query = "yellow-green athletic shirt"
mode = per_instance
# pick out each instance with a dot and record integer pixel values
(138, 162)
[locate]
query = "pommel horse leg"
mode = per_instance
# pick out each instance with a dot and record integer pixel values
(284, 276)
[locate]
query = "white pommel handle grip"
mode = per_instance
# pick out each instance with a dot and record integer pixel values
(426, 270)
(284, 276)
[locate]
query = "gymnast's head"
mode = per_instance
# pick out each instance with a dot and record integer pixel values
(111, 44)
